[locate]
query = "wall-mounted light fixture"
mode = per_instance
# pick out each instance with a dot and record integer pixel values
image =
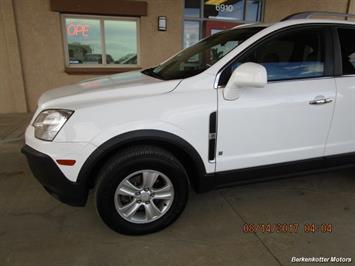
(162, 23)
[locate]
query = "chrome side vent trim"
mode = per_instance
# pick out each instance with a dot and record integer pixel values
(212, 137)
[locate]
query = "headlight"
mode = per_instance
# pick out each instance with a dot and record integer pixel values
(49, 122)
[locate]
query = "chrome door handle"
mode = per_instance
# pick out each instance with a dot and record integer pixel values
(320, 101)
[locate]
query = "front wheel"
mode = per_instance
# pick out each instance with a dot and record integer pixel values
(141, 190)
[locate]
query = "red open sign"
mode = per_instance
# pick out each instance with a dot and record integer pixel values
(78, 30)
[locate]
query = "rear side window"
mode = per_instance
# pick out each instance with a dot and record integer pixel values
(289, 55)
(347, 37)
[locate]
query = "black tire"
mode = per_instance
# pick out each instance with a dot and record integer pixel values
(127, 162)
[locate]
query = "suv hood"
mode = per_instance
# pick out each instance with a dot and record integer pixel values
(107, 88)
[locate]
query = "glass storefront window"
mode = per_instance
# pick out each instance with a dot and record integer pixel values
(204, 18)
(100, 41)
(121, 42)
(192, 8)
(191, 32)
(224, 9)
(84, 41)
(253, 10)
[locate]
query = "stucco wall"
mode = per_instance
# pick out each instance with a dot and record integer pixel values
(352, 8)
(32, 59)
(278, 9)
(12, 94)
(41, 42)
(159, 45)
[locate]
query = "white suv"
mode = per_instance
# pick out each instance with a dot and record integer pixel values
(257, 101)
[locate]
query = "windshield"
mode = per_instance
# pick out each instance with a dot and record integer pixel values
(202, 55)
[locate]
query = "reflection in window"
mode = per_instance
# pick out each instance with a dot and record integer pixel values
(346, 37)
(202, 55)
(121, 42)
(192, 8)
(222, 9)
(221, 50)
(213, 16)
(191, 33)
(84, 43)
(88, 45)
(292, 55)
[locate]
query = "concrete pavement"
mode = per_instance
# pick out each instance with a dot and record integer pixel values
(12, 126)
(35, 229)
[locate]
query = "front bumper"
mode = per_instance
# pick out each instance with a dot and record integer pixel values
(52, 178)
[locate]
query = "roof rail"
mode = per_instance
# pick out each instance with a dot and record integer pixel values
(309, 14)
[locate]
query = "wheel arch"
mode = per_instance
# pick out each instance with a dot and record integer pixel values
(184, 151)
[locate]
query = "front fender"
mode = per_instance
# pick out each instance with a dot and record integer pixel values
(97, 158)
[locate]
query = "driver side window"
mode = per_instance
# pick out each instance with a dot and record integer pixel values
(294, 54)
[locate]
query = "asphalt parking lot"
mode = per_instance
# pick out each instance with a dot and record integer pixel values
(36, 229)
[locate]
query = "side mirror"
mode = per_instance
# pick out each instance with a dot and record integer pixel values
(247, 75)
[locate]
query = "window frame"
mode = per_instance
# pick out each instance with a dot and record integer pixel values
(329, 58)
(76, 68)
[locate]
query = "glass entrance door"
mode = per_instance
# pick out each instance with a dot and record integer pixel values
(203, 18)
(212, 27)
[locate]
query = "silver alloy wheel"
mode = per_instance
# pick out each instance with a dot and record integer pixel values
(144, 196)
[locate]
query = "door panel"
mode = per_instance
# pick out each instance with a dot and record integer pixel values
(287, 120)
(342, 134)
(274, 124)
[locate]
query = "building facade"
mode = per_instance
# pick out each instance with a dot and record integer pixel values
(50, 43)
